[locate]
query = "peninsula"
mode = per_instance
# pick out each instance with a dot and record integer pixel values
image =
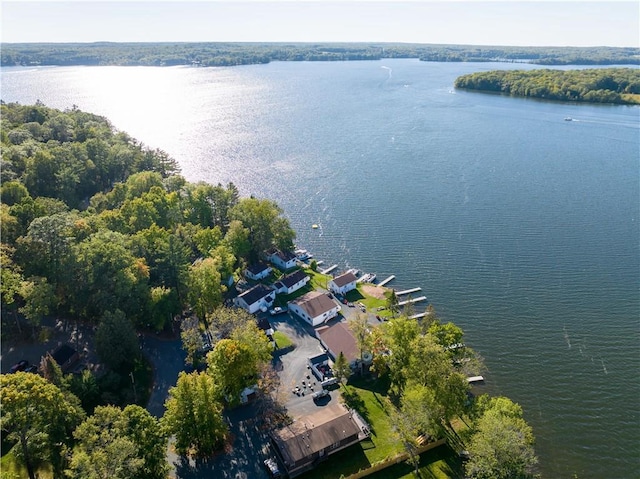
(594, 85)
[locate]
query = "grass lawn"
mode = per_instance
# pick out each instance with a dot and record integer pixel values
(367, 397)
(11, 469)
(282, 340)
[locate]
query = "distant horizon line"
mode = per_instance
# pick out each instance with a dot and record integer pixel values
(332, 42)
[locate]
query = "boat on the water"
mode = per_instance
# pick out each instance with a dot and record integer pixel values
(568, 118)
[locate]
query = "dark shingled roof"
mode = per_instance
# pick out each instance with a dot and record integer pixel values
(257, 268)
(63, 353)
(345, 278)
(256, 293)
(315, 432)
(293, 278)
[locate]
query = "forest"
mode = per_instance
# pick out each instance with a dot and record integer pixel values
(595, 85)
(228, 54)
(100, 229)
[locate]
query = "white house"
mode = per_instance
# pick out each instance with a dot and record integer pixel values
(258, 271)
(260, 296)
(291, 282)
(284, 260)
(314, 307)
(343, 283)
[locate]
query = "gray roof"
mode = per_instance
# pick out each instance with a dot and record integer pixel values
(293, 278)
(256, 293)
(344, 278)
(257, 268)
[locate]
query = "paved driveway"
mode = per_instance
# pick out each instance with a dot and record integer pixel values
(167, 358)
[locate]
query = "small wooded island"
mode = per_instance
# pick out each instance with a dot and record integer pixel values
(595, 85)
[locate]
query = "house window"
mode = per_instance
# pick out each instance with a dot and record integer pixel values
(335, 445)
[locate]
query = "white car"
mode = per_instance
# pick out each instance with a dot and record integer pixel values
(277, 310)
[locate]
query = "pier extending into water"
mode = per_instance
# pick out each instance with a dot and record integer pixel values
(408, 291)
(329, 269)
(385, 281)
(414, 300)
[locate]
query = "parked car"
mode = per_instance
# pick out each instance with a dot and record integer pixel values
(31, 369)
(277, 310)
(320, 394)
(19, 366)
(272, 466)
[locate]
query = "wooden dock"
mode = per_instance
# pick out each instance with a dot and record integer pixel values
(475, 379)
(329, 269)
(385, 281)
(407, 291)
(414, 300)
(319, 262)
(418, 316)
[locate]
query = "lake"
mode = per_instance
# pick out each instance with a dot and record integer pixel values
(519, 226)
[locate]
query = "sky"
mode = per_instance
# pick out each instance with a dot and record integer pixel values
(499, 22)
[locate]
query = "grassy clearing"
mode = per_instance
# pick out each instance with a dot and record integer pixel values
(11, 468)
(282, 340)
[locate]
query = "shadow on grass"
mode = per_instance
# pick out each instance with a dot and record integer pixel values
(439, 463)
(346, 462)
(354, 295)
(375, 385)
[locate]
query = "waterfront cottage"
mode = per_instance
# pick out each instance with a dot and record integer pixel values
(315, 307)
(256, 298)
(309, 440)
(343, 284)
(258, 271)
(337, 338)
(292, 282)
(283, 260)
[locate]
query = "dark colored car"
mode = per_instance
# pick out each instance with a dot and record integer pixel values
(31, 369)
(272, 467)
(19, 366)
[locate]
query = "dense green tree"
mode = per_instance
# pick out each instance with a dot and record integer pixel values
(205, 288)
(192, 341)
(39, 299)
(223, 321)
(194, 415)
(109, 277)
(116, 341)
(39, 417)
(267, 228)
(502, 445)
(115, 443)
(341, 367)
(235, 363)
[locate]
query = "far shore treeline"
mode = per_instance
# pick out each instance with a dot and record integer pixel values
(595, 85)
(228, 54)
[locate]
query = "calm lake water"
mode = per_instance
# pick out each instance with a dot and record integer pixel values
(520, 227)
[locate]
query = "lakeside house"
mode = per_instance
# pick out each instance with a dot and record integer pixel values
(315, 307)
(291, 282)
(256, 298)
(283, 260)
(337, 338)
(258, 271)
(310, 440)
(343, 284)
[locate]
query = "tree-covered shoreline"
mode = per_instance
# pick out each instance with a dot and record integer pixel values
(595, 85)
(229, 54)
